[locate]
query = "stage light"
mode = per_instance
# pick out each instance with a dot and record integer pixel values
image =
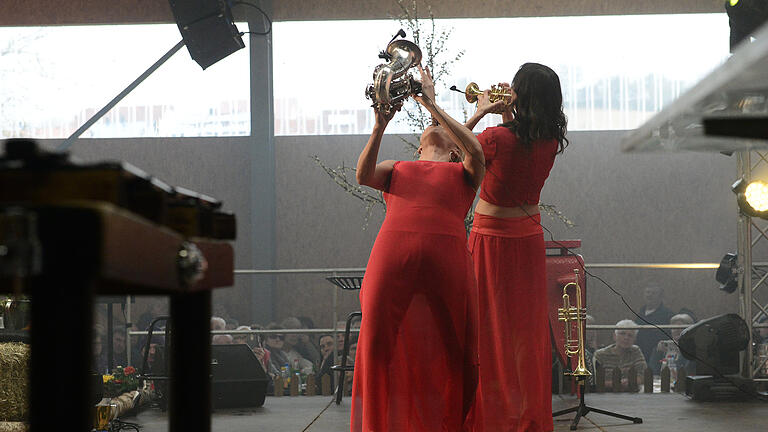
(716, 344)
(752, 197)
(726, 274)
(717, 341)
(744, 17)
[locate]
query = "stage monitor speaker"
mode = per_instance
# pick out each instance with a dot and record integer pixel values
(239, 379)
(207, 28)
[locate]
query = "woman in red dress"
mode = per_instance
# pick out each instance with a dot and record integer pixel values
(416, 362)
(507, 248)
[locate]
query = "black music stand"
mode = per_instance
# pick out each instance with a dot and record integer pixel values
(582, 409)
(345, 283)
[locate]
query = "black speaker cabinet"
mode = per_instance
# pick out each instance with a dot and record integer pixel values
(207, 28)
(239, 379)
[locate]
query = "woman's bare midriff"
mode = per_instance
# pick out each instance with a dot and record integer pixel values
(485, 208)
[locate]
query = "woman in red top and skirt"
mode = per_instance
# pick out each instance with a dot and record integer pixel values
(507, 247)
(416, 362)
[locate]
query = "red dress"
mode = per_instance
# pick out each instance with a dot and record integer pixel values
(514, 393)
(416, 361)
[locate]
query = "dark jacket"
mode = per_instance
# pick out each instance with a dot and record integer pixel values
(647, 339)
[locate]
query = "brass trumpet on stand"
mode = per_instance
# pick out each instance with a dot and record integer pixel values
(575, 347)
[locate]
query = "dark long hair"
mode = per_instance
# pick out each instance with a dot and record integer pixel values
(538, 109)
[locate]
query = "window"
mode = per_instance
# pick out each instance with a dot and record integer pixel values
(53, 79)
(615, 71)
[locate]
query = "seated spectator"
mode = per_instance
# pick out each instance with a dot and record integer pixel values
(155, 355)
(222, 339)
(274, 343)
(218, 323)
(242, 338)
(622, 354)
(666, 349)
(231, 324)
(120, 358)
(355, 324)
(326, 350)
(300, 347)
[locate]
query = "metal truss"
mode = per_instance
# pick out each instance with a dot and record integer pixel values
(754, 276)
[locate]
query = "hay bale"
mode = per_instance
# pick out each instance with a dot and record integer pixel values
(13, 427)
(14, 382)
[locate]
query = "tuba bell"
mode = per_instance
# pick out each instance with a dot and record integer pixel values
(392, 83)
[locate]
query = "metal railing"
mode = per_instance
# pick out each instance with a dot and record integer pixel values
(335, 271)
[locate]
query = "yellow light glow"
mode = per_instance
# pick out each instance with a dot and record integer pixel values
(734, 2)
(757, 195)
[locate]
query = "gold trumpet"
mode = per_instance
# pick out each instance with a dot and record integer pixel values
(578, 315)
(498, 93)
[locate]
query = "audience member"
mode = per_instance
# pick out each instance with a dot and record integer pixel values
(666, 349)
(222, 339)
(261, 352)
(231, 324)
(119, 356)
(218, 323)
(242, 338)
(622, 354)
(326, 349)
(654, 312)
(275, 343)
(299, 347)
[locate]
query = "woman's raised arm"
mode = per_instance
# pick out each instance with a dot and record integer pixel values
(368, 172)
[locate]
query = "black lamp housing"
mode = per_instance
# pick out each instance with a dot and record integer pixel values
(726, 273)
(717, 341)
(744, 18)
(739, 188)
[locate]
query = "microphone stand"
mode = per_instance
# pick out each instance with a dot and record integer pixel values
(69, 141)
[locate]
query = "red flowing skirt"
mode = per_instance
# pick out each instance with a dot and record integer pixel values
(515, 391)
(416, 361)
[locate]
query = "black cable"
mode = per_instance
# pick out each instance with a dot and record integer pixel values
(318, 416)
(268, 30)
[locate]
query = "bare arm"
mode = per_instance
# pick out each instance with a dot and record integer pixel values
(368, 172)
(474, 161)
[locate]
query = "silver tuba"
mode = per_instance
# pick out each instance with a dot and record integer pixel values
(392, 83)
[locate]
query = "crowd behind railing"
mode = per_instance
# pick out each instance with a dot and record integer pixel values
(295, 352)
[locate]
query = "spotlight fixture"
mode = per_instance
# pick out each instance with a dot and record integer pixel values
(726, 273)
(744, 17)
(752, 197)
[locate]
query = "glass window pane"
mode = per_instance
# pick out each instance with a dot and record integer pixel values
(53, 79)
(615, 71)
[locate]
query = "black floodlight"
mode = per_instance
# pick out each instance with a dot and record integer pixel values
(744, 17)
(726, 273)
(717, 341)
(752, 197)
(208, 29)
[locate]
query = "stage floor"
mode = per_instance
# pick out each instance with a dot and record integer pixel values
(660, 412)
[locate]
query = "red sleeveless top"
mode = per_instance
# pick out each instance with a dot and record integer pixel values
(515, 173)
